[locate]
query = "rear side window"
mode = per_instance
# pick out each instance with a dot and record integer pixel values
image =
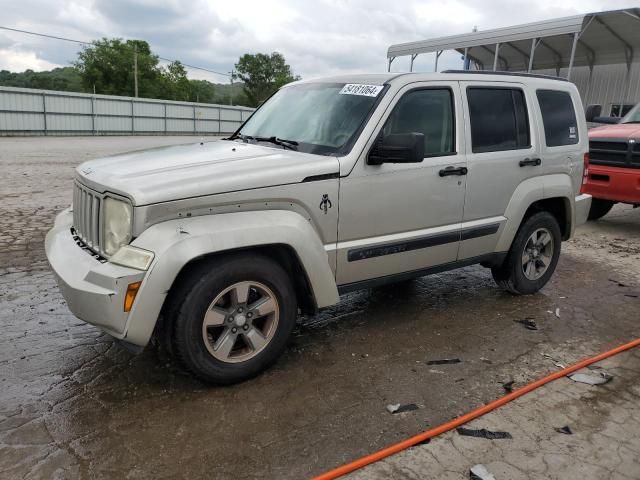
(499, 119)
(559, 118)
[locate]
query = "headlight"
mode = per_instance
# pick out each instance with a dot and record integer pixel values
(117, 224)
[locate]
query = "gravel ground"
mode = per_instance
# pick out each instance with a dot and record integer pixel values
(73, 404)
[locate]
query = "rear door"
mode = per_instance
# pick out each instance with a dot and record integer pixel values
(502, 152)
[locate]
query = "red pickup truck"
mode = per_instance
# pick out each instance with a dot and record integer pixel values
(613, 170)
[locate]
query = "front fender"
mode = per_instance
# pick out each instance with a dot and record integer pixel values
(529, 192)
(177, 242)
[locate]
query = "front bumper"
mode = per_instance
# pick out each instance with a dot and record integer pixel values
(94, 289)
(614, 183)
(583, 205)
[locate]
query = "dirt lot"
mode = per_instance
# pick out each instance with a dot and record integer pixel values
(75, 405)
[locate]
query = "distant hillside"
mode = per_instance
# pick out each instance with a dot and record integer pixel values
(67, 79)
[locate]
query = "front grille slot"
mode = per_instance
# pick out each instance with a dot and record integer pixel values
(86, 216)
(614, 153)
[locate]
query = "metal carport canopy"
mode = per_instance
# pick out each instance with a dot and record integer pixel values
(598, 38)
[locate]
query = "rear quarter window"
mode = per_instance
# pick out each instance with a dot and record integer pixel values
(558, 117)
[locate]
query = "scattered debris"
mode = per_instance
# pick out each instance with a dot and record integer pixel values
(529, 323)
(601, 379)
(439, 372)
(486, 360)
(555, 362)
(508, 386)
(630, 295)
(399, 408)
(444, 361)
(483, 433)
(480, 472)
(620, 284)
(566, 430)
(558, 312)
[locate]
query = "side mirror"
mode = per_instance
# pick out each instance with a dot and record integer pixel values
(397, 148)
(609, 120)
(592, 111)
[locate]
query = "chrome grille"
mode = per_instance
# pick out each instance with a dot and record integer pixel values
(86, 216)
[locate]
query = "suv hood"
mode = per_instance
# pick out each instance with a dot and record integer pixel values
(620, 130)
(183, 171)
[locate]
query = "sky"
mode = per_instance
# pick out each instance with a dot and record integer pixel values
(317, 37)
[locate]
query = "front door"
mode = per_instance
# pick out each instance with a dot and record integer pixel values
(404, 217)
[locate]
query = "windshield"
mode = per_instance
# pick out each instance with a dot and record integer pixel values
(633, 116)
(321, 118)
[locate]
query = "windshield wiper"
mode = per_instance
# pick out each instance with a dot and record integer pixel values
(240, 136)
(291, 144)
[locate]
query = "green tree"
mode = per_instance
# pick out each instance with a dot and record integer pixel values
(262, 75)
(176, 83)
(108, 64)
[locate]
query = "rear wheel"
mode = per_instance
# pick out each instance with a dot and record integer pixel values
(533, 256)
(599, 208)
(235, 319)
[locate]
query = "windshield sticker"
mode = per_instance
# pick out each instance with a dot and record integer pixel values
(359, 89)
(572, 132)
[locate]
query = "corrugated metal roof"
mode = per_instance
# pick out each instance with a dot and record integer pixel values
(605, 38)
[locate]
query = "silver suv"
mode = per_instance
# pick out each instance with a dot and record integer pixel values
(332, 185)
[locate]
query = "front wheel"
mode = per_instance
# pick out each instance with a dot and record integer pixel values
(533, 256)
(599, 208)
(235, 318)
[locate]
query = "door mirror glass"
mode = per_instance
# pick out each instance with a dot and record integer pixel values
(592, 111)
(398, 148)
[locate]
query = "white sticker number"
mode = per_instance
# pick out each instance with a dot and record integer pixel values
(359, 89)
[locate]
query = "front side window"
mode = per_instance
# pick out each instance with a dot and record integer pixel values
(321, 118)
(499, 119)
(558, 117)
(427, 111)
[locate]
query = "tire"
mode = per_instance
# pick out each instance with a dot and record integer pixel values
(520, 278)
(599, 208)
(241, 340)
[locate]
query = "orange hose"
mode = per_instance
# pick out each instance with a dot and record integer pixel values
(478, 412)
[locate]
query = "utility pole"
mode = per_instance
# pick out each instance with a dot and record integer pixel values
(232, 72)
(135, 69)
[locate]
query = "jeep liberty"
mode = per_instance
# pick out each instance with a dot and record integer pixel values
(332, 185)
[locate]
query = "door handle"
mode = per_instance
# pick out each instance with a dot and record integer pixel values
(445, 172)
(533, 162)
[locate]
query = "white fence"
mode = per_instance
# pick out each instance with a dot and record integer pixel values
(45, 112)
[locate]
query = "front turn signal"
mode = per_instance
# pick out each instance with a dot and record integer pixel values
(130, 296)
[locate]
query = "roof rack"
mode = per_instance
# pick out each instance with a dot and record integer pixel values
(511, 74)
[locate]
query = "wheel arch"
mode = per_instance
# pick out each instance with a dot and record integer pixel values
(181, 245)
(552, 193)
